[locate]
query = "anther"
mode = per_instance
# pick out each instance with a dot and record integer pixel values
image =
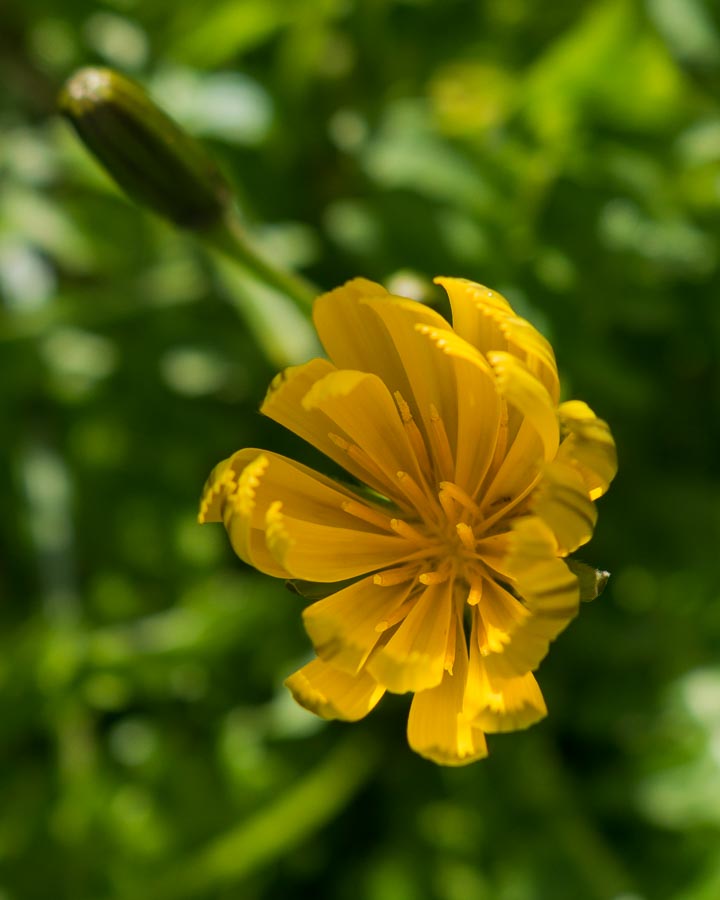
(395, 576)
(412, 491)
(401, 527)
(358, 456)
(413, 433)
(449, 660)
(458, 494)
(441, 445)
(475, 594)
(371, 516)
(446, 501)
(396, 615)
(429, 578)
(402, 406)
(465, 533)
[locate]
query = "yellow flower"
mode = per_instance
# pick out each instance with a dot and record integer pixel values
(477, 484)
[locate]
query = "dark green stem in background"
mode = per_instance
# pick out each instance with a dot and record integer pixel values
(303, 809)
(550, 790)
(229, 236)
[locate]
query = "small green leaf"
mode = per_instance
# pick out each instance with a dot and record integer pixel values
(591, 581)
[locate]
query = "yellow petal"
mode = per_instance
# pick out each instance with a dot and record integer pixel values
(362, 412)
(309, 499)
(284, 404)
(502, 615)
(351, 324)
(589, 445)
(314, 551)
(546, 585)
(437, 726)
(380, 333)
(526, 558)
(493, 550)
(343, 626)
(242, 515)
(529, 396)
(562, 502)
(430, 384)
(477, 405)
(517, 473)
(414, 657)
(221, 482)
(515, 640)
(485, 319)
(512, 704)
(332, 694)
(544, 581)
(495, 703)
(350, 334)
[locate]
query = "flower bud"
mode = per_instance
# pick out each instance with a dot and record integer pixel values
(152, 159)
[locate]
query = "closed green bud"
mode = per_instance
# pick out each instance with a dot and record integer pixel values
(152, 159)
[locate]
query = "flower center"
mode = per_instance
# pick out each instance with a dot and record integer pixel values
(436, 514)
(453, 534)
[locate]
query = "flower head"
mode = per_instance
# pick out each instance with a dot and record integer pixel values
(446, 573)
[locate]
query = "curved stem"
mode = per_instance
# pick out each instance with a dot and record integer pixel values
(300, 811)
(229, 236)
(548, 786)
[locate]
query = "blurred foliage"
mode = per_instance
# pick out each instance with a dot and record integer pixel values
(567, 154)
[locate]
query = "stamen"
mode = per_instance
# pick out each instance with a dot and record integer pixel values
(413, 432)
(367, 514)
(458, 494)
(415, 494)
(450, 648)
(441, 445)
(397, 615)
(339, 441)
(362, 459)
(390, 577)
(465, 533)
(434, 577)
(475, 594)
(359, 456)
(448, 505)
(501, 442)
(401, 527)
(482, 637)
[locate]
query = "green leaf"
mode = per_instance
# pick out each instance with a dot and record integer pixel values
(592, 581)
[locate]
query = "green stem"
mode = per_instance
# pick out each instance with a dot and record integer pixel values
(229, 236)
(548, 786)
(299, 812)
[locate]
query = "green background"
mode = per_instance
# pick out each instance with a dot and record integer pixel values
(566, 154)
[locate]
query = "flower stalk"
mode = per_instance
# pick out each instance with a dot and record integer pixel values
(229, 237)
